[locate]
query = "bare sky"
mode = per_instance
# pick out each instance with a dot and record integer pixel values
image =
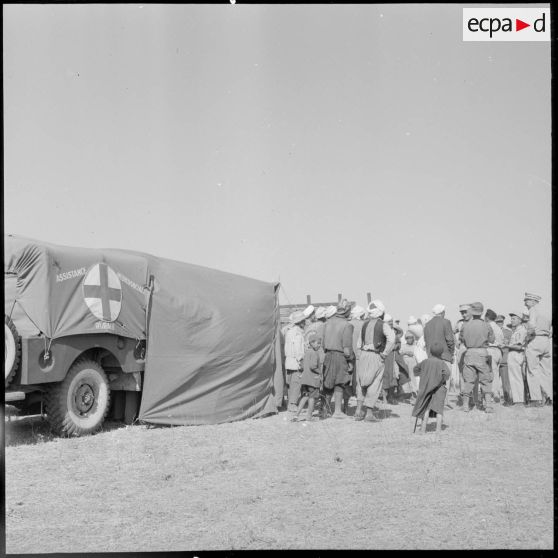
(338, 148)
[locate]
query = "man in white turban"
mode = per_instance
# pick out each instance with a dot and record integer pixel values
(439, 329)
(376, 342)
(414, 327)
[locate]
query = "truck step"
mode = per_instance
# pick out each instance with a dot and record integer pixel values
(14, 396)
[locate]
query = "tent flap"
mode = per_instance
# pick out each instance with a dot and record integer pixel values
(211, 347)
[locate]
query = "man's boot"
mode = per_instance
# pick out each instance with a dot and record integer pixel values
(488, 403)
(465, 398)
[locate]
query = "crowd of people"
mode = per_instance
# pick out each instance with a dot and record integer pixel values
(333, 353)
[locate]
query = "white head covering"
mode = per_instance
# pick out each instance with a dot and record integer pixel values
(388, 318)
(298, 317)
(412, 320)
(425, 318)
(308, 311)
(438, 309)
(330, 311)
(376, 308)
(357, 312)
(320, 312)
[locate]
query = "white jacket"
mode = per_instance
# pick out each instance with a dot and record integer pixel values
(294, 348)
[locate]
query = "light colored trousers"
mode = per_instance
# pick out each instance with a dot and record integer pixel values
(539, 367)
(496, 356)
(515, 374)
(369, 378)
(295, 385)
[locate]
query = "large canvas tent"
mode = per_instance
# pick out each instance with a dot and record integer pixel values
(211, 336)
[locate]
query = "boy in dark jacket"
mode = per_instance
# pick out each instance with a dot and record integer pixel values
(431, 397)
(311, 376)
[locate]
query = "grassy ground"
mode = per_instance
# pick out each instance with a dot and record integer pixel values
(485, 482)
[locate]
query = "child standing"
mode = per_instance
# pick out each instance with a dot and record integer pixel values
(311, 376)
(434, 373)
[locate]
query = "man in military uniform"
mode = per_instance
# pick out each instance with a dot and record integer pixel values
(465, 311)
(537, 352)
(504, 374)
(476, 335)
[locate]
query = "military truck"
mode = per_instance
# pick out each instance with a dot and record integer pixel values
(75, 329)
(91, 333)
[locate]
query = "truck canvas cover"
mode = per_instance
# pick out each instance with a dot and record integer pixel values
(210, 335)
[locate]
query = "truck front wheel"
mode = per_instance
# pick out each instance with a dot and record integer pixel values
(79, 404)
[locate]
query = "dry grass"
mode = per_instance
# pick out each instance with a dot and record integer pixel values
(485, 482)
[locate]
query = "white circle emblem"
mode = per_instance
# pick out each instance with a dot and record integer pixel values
(102, 292)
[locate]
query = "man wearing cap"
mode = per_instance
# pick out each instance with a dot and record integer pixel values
(506, 333)
(516, 358)
(338, 346)
(376, 342)
(465, 311)
(438, 329)
(495, 352)
(537, 352)
(476, 335)
(294, 358)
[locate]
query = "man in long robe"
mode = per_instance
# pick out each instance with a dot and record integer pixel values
(434, 373)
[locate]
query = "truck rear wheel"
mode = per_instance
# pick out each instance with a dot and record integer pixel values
(79, 404)
(12, 349)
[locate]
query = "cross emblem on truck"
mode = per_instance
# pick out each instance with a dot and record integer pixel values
(102, 292)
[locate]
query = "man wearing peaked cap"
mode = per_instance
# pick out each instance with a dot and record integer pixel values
(495, 353)
(516, 358)
(504, 372)
(476, 335)
(338, 347)
(476, 308)
(538, 351)
(465, 311)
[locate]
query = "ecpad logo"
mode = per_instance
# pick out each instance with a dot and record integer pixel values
(506, 24)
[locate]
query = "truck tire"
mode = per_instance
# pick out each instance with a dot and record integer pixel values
(79, 404)
(12, 349)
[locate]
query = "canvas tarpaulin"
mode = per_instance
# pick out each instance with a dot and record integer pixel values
(72, 291)
(211, 347)
(211, 335)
